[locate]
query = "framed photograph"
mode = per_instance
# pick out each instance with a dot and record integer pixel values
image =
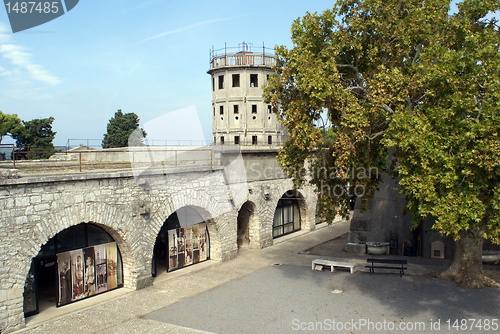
(111, 261)
(172, 250)
(89, 284)
(64, 278)
(196, 243)
(100, 268)
(77, 272)
(189, 245)
(203, 241)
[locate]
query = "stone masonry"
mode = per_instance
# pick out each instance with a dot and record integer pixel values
(132, 209)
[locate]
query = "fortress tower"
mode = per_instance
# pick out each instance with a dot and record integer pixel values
(240, 115)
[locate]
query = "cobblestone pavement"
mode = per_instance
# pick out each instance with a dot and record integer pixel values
(274, 290)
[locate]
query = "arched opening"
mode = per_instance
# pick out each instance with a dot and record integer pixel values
(287, 215)
(78, 262)
(182, 241)
(245, 216)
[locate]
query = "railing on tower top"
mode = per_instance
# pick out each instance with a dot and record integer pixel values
(241, 55)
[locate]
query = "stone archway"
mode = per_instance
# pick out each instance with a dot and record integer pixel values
(27, 243)
(183, 240)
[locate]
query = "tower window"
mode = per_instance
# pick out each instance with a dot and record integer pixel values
(254, 108)
(215, 140)
(269, 109)
(269, 140)
(236, 80)
(221, 82)
(254, 140)
(236, 140)
(221, 110)
(213, 84)
(254, 80)
(222, 140)
(214, 111)
(235, 108)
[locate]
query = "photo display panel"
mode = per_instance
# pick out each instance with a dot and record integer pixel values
(187, 245)
(85, 272)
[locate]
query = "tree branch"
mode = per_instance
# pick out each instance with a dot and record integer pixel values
(375, 135)
(355, 69)
(387, 108)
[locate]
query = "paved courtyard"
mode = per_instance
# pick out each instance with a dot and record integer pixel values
(274, 290)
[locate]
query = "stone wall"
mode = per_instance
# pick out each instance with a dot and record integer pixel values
(132, 209)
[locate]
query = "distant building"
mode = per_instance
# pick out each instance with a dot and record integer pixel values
(239, 114)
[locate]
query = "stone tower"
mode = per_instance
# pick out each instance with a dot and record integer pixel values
(240, 115)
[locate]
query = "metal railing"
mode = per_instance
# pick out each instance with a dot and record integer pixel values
(91, 143)
(241, 56)
(92, 160)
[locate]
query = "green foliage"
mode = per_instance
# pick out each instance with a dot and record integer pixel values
(120, 128)
(397, 74)
(9, 124)
(36, 136)
(448, 146)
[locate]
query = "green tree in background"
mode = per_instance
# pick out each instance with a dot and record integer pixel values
(37, 135)
(120, 128)
(405, 75)
(9, 125)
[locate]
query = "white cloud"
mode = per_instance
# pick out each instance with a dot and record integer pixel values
(15, 54)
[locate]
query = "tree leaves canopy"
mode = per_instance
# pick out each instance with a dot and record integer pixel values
(9, 124)
(120, 128)
(37, 135)
(448, 146)
(403, 74)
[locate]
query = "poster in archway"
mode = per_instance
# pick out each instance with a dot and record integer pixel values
(100, 268)
(64, 277)
(112, 259)
(187, 245)
(89, 288)
(86, 272)
(76, 274)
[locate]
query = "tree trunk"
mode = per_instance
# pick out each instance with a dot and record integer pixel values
(467, 267)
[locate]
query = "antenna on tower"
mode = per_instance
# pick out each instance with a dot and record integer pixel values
(245, 47)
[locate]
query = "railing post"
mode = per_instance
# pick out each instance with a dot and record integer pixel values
(14, 158)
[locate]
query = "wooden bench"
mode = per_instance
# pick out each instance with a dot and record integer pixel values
(318, 264)
(388, 262)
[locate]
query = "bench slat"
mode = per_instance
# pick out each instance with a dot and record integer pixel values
(387, 261)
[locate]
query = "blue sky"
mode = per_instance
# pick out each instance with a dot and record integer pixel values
(147, 57)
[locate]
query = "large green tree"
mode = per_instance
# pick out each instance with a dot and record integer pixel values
(9, 125)
(402, 74)
(120, 128)
(37, 136)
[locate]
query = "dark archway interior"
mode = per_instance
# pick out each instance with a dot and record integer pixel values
(244, 216)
